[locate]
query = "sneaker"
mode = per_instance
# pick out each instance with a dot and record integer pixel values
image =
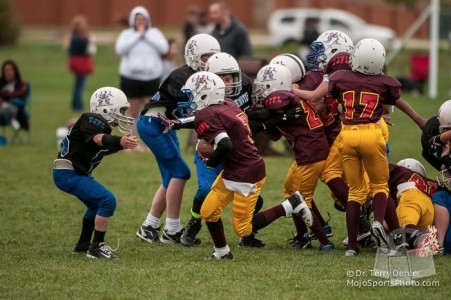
(188, 237)
(149, 234)
(100, 250)
(81, 247)
(368, 242)
(360, 238)
(251, 241)
(300, 243)
(427, 243)
(329, 247)
(326, 229)
(351, 252)
(378, 231)
(228, 256)
(299, 206)
(167, 238)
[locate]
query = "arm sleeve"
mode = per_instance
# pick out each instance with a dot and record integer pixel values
(126, 40)
(155, 38)
(223, 147)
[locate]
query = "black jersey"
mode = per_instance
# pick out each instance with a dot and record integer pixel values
(170, 92)
(430, 129)
(243, 99)
(79, 146)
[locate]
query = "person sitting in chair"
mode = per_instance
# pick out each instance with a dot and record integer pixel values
(13, 95)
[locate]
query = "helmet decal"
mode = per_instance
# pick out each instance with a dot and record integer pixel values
(268, 74)
(203, 89)
(103, 98)
(191, 47)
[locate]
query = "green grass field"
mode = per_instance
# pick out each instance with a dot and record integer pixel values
(40, 224)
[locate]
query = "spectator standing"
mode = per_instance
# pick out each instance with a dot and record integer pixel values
(191, 22)
(81, 47)
(141, 48)
(204, 25)
(231, 35)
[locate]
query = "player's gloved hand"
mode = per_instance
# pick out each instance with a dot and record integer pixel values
(292, 114)
(211, 164)
(435, 144)
(256, 125)
(168, 124)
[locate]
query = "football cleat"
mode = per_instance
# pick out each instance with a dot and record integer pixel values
(167, 238)
(329, 247)
(351, 252)
(378, 231)
(100, 250)
(148, 234)
(214, 256)
(427, 243)
(251, 241)
(326, 229)
(81, 247)
(188, 237)
(300, 243)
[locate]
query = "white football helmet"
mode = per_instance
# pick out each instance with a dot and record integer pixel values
(368, 57)
(412, 164)
(204, 89)
(444, 116)
(223, 63)
(293, 63)
(112, 104)
(198, 45)
(327, 45)
(270, 78)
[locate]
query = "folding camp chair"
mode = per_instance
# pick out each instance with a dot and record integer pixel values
(15, 131)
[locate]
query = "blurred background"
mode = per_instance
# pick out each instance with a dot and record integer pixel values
(32, 33)
(396, 14)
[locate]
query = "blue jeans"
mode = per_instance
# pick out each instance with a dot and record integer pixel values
(77, 95)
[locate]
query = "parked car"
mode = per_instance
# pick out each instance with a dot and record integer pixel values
(287, 25)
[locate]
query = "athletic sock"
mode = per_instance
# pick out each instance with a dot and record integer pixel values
(152, 221)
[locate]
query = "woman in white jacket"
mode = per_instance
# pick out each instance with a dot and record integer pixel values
(141, 48)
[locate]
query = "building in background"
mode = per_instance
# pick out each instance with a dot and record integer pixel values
(253, 13)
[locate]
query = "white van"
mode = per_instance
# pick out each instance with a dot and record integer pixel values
(287, 25)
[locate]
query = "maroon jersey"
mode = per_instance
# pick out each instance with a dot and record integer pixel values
(363, 96)
(311, 80)
(399, 174)
(306, 133)
(243, 163)
(331, 115)
(339, 61)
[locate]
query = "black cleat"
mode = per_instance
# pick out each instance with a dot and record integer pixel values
(251, 241)
(188, 237)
